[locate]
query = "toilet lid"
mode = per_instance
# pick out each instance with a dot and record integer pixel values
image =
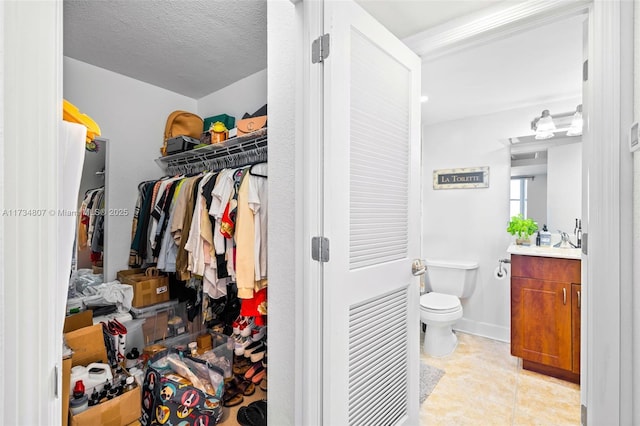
(439, 302)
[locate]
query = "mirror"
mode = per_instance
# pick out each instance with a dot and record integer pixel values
(91, 199)
(546, 180)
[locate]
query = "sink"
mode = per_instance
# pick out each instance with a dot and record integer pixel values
(564, 253)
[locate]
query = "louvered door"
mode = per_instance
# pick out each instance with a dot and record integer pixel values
(371, 217)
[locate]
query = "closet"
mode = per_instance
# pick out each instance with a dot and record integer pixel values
(132, 114)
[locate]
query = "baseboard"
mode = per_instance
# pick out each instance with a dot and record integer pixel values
(483, 329)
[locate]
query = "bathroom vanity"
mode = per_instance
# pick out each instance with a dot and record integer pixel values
(545, 310)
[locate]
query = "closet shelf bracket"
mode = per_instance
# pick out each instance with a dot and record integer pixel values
(236, 152)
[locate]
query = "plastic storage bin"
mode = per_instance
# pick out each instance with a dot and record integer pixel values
(162, 321)
(221, 353)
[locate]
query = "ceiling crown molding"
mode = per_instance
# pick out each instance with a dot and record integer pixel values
(489, 24)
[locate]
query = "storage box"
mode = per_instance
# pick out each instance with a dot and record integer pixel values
(228, 121)
(128, 272)
(162, 321)
(119, 411)
(148, 289)
(66, 385)
(88, 346)
(221, 354)
(181, 144)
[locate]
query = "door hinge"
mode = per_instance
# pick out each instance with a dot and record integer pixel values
(320, 49)
(320, 249)
(585, 243)
(583, 415)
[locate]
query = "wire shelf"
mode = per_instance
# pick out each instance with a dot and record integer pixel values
(235, 152)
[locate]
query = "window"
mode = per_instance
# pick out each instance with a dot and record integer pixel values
(518, 198)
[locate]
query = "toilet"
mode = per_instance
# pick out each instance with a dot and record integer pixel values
(446, 282)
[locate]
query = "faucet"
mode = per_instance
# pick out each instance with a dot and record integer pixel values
(565, 241)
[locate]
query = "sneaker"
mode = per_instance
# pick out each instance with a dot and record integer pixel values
(247, 326)
(236, 324)
(258, 333)
(240, 345)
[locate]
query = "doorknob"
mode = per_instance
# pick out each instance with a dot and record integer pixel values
(418, 267)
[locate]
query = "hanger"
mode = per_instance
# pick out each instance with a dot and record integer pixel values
(251, 172)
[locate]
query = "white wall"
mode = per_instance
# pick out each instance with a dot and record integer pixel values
(564, 187)
(246, 95)
(537, 199)
(131, 115)
(470, 224)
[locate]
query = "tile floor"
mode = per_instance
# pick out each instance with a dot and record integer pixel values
(484, 385)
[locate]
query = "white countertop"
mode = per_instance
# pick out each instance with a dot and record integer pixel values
(542, 251)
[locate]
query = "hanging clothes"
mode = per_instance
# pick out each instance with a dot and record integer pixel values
(210, 230)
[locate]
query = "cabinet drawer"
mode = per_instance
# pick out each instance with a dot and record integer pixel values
(546, 268)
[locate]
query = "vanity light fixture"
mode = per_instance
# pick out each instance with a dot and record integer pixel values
(576, 123)
(544, 126)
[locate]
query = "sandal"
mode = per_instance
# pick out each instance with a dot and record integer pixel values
(232, 400)
(255, 368)
(254, 414)
(241, 385)
(263, 384)
(259, 376)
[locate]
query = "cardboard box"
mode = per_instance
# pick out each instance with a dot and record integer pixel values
(88, 345)
(127, 272)
(66, 384)
(120, 411)
(148, 290)
(78, 321)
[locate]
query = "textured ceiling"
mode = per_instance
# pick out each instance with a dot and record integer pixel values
(195, 47)
(191, 47)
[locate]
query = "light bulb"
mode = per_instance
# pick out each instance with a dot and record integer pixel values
(545, 126)
(576, 123)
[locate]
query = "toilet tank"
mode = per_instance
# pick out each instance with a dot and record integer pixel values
(454, 277)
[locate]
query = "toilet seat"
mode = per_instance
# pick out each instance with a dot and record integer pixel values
(439, 303)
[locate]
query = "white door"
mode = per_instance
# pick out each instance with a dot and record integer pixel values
(371, 218)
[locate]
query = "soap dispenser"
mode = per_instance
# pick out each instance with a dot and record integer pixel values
(545, 236)
(538, 239)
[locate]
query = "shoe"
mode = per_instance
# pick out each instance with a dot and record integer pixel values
(236, 325)
(240, 385)
(258, 354)
(241, 365)
(258, 333)
(263, 384)
(247, 327)
(252, 347)
(240, 345)
(255, 368)
(257, 378)
(254, 414)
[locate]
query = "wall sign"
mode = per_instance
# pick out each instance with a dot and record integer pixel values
(471, 177)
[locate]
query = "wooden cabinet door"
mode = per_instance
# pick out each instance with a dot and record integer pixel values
(576, 301)
(541, 321)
